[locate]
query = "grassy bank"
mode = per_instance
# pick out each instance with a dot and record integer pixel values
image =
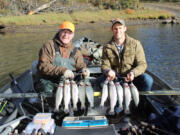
(83, 16)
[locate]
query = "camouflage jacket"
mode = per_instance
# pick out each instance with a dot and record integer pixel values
(133, 58)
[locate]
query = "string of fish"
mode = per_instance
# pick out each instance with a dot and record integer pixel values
(122, 94)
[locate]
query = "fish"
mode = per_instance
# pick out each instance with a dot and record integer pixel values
(67, 95)
(104, 93)
(59, 96)
(89, 92)
(135, 93)
(113, 97)
(82, 94)
(127, 97)
(75, 93)
(119, 94)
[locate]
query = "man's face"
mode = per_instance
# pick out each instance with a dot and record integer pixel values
(118, 30)
(66, 36)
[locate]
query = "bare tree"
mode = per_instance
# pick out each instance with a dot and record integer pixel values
(44, 6)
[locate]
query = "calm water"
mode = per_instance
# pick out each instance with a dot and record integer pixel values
(161, 44)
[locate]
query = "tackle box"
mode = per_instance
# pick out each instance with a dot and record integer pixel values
(84, 121)
(107, 130)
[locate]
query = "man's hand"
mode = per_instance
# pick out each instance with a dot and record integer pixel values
(68, 74)
(111, 75)
(130, 77)
(85, 72)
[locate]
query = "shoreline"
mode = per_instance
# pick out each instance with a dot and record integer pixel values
(132, 17)
(82, 25)
(147, 13)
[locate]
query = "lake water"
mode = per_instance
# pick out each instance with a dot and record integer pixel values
(161, 44)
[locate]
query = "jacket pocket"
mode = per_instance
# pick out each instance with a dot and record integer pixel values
(113, 60)
(128, 58)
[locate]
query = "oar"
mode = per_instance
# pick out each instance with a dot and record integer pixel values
(175, 91)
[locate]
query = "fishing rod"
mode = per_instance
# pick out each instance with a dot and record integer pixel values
(152, 126)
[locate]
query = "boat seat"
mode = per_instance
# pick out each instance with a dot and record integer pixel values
(34, 67)
(25, 83)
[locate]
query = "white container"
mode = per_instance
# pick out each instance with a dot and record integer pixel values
(42, 118)
(48, 127)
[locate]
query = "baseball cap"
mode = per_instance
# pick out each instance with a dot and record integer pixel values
(118, 20)
(67, 25)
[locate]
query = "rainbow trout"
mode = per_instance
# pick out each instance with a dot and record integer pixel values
(82, 94)
(67, 95)
(119, 94)
(89, 92)
(75, 92)
(135, 93)
(127, 97)
(59, 96)
(104, 93)
(113, 97)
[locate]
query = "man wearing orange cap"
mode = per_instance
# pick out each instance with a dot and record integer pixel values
(59, 57)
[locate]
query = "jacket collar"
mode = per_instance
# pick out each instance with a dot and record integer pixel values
(113, 46)
(59, 42)
(127, 43)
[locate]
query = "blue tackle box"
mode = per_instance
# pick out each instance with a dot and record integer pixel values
(85, 121)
